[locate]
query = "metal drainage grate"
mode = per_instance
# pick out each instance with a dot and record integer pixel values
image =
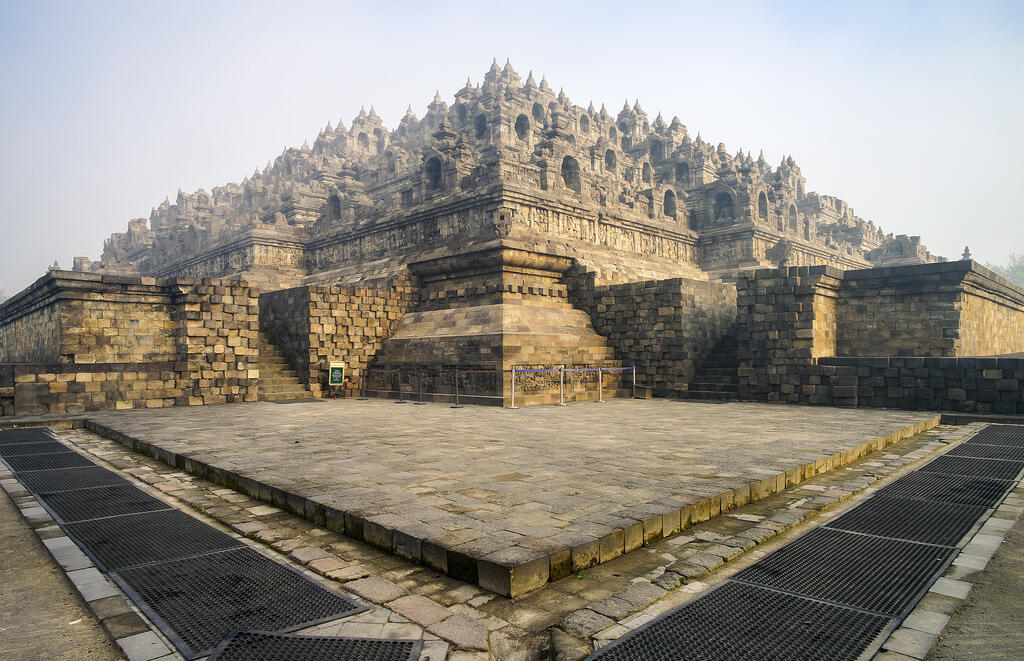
(947, 488)
(996, 440)
(69, 479)
(929, 522)
(39, 462)
(86, 504)
(991, 468)
(997, 437)
(269, 646)
(25, 435)
(984, 451)
(136, 539)
(33, 447)
(873, 573)
(198, 601)
(741, 622)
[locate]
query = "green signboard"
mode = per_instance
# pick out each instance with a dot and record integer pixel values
(337, 375)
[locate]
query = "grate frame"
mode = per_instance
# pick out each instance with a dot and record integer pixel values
(272, 646)
(240, 589)
(737, 621)
(988, 451)
(972, 467)
(69, 479)
(99, 503)
(825, 563)
(25, 435)
(27, 463)
(928, 522)
(130, 540)
(942, 487)
(33, 447)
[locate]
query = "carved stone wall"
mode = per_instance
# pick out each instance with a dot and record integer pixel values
(506, 158)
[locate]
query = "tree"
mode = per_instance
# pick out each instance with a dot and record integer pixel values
(1014, 271)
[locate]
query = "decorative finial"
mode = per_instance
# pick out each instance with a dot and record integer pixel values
(967, 253)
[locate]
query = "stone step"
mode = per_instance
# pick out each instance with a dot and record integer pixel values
(715, 387)
(275, 380)
(715, 378)
(706, 394)
(281, 387)
(279, 396)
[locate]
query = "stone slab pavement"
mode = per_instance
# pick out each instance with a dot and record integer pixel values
(508, 499)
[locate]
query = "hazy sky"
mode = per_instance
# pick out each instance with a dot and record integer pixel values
(910, 111)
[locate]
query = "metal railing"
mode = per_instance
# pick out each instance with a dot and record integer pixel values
(457, 393)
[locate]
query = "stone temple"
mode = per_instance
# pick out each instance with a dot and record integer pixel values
(513, 228)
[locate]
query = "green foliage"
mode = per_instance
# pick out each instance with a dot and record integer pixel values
(1014, 271)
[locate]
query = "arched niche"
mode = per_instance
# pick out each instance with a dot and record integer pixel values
(645, 173)
(762, 205)
(584, 124)
(670, 204)
(522, 127)
(333, 207)
(609, 160)
(657, 150)
(792, 217)
(682, 174)
(724, 206)
(432, 173)
(571, 174)
(480, 126)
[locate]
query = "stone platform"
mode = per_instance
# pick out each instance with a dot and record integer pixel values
(508, 499)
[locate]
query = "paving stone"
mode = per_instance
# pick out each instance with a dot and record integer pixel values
(951, 588)
(419, 609)
(613, 607)
(567, 648)
(641, 593)
(909, 642)
(464, 632)
(327, 564)
(142, 647)
(926, 621)
(306, 554)
(582, 623)
(376, 589)
(434, 650)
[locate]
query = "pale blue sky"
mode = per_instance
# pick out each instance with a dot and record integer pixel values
(911, 111)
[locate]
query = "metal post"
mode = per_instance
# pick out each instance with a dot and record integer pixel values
(634, 380)
(420, 378)
(456, 405)
(366, 377)
(561, 386)
(400, 400)
(513, 406)
(600, 387)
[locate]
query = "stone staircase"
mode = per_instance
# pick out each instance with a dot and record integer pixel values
(278, 381)
(716, 378)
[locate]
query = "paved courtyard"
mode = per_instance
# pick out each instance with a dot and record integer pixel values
(479, 490)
